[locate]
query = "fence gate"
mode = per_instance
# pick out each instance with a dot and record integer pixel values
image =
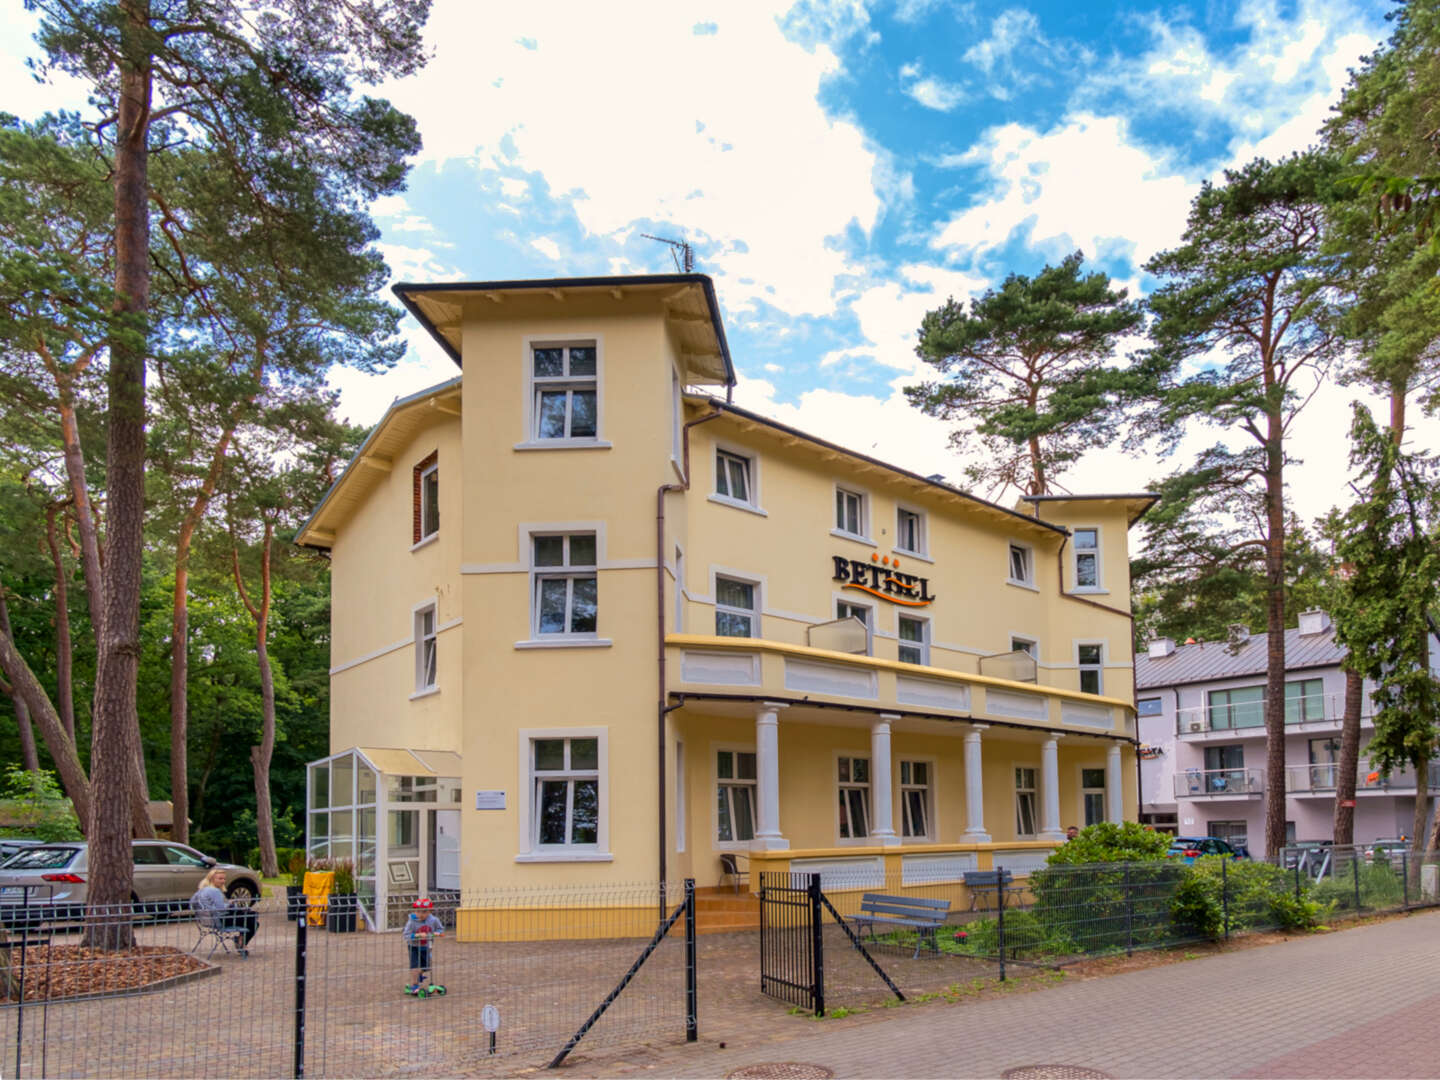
(792, 964)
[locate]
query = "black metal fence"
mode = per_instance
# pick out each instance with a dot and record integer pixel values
(316, 1001)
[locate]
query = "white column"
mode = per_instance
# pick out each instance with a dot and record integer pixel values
(1050, 790)
(882, 803)
(974, 789)
(1114, 785)
(767, 768)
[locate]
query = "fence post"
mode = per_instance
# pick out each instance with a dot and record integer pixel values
(301, 930)
(1225, 895)
(692, 994)
(1000, 917)
(817, 945)
(763, 957)
(1129, 914)
(20, 1007)
(1297, 879)
(1355, 873)
(1405, 879)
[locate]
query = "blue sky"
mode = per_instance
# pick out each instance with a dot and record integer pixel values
(841, 167)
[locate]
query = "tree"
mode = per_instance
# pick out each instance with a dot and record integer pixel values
(1242, 338)
(268, 93)
(1027, 377)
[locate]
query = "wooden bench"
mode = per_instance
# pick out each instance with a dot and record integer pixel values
(985, 884)
(923, 915)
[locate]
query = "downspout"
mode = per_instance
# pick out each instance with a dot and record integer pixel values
(661, 710)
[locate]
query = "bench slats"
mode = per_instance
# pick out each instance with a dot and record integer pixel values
(905, 901)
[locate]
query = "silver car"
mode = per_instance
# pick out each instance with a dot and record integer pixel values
(52, 878)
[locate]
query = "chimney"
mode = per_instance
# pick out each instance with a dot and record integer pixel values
(1314, 622)
(1161, 647)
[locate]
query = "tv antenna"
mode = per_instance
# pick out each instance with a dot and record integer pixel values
(681, 253)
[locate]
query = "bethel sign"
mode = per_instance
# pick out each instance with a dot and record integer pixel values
(882, 578)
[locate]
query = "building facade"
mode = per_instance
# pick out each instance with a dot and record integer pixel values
(1203, 743)
(591, 620)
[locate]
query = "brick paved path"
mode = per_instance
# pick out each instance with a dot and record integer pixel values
(1358, 1003)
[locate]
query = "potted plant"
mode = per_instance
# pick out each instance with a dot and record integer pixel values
(340, 913)
(294, 888)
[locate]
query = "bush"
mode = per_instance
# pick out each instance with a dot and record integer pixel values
(1027, 935)
(1108, 842)
(1108, 905)
(40, 810)
(1380, 886)
(283, 857)
(1256, 894)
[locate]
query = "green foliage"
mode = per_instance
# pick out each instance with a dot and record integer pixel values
(1026, 378)
(1107, 842)
(35, 807)
(344, 870)
(1258, 895)
(1027, 936)
(1380, 886)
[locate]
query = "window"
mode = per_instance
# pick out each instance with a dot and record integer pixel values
(845, 610)
(1025, 645)
(1324, 756)
(915, 799)
(1241, 707)
(1304, 701)
(909, 531)
(425, 497)
(565, 595)
(1024, 802)
(854, 774)
(1092, 790)
(1234, 833)
(1021, 568)
(425, 650)
(734, 608)
(1149, 706)
(565, 775)
(1087, 558)
(914, 648)
(849, 512)
(734, 796)
(563, 379)
(1225, 770)
(1092, 666)
(733, 477)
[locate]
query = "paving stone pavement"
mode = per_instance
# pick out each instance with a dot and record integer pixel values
(1357, 1003)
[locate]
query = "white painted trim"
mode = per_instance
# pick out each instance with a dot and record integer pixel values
(428, 692)
(426, 541)
(431, 604)
(716, 844)
(868, 840)
(526, 850)
(1099, 586)
(565, 641)
(1104, 644)
(1034, 569)
(867, 513)
(1078, 770)
(527, 371)
(1039, 791)
(926, 622)
(924, 515)
(841, 534)
(375, 654)
(747, 577)
(736, 504)
(578, 856)
(933, 810)
(564, 444)
(750, 454)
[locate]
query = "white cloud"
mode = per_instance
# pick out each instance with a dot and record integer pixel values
(546, 246)
(718, 184)
(416, 264)
(929, 90)
(1008, 30)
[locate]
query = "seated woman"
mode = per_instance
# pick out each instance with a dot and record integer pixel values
(237, 917)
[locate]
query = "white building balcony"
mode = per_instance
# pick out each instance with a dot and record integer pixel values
(1218, 784)
(1318, 781)
(1317, 713)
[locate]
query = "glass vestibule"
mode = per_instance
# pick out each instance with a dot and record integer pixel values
(395, 816)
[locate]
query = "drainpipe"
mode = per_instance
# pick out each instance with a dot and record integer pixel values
(661, 710)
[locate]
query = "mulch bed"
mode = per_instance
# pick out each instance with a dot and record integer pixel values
(68, 971)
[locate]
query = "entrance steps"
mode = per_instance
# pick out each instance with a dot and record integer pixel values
(721, 910)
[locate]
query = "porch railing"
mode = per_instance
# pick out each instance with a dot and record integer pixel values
(1198, 783)
(1320, 779)
(1250, 715)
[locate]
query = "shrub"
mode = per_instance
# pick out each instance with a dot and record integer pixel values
(40, 810)
(1109, 842)
(1027, 935)
(1380, 886)
(1256, 894)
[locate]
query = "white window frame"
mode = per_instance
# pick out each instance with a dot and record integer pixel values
(928, 788)
(862, 514)
(533, 385)
(1098, 667)
(716, 749)
(1033, 792)
(922, 551)
(903, 643)
(850, 785)
(433, 469)
(527, 849)
(753, 612)
(1076, 551)
(1080, 772)
(871, 614)
(1021, 643)
(753, 471)
(680, 815)
(1027, 582)
(570, 571)
(423, 686)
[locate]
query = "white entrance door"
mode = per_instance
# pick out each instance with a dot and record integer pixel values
(447, 849)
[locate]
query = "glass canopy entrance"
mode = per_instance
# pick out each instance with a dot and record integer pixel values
(395, 816)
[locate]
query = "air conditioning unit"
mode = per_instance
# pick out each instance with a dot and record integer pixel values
(1196, 726)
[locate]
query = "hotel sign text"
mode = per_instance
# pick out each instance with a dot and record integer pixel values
(882, 578)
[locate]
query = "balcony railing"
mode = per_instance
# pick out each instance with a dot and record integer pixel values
(1250, 716)
(1199, 783)
(1320, 779)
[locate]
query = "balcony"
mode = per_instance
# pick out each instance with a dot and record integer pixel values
(1319, 781)
(1219, 783)
(1313, 712)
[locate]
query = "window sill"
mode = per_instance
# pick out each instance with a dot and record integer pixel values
(913, 554)
(843, 535)
(725, 500)
(566, 856)
(561, 642)
(1089, 590)
(563, 444)
(1022, 584)
(425, 541)
(429, 691)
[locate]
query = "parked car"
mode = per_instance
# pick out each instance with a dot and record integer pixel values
(1389, 849)
(1190, 848)
(12, 845)
(52, 878)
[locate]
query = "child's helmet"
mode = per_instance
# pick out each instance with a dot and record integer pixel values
(423, 904)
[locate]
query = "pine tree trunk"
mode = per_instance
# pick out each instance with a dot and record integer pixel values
(29, 758)
(85, 524)
(1349, 764)
(64, 649)
(260, 756)
(1275, 626)
(115, 730)
(1418, 832)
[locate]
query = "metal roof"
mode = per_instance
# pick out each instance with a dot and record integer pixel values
(1208, 660)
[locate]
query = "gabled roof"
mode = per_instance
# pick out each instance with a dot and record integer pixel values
(1209, 660)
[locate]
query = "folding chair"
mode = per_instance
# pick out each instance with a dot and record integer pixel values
(212, 928)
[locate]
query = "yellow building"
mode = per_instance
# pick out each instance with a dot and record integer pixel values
(592, 622)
